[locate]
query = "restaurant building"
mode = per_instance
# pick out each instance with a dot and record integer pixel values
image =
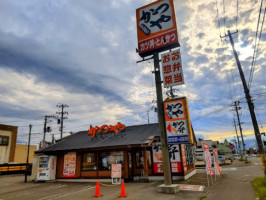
(90, 155)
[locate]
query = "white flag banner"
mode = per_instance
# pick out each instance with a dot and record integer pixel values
(217, 168)
(208, 159)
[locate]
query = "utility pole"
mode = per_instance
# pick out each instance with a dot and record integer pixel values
(45, 129)
(27, 162)
(158, 82)
(250, 105)
(53, 140)
(62, 112)
(237, 138)
(240, 129)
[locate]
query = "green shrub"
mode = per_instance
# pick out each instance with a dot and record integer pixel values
(259, 185)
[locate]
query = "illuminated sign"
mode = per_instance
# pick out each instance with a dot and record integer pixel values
(156, 27)
(105, 128)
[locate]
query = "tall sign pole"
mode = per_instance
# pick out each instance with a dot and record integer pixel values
(250, 105)
(158, 83)
(157, 32)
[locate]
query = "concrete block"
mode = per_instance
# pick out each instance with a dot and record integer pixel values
(168, 189)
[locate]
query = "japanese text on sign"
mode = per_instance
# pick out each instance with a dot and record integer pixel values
(174, 155)
(69, 164)
(116, 171)
(172, 69)
(105, 128)
(217, 168)
(208, 159)
(156, 27)
(177, 121)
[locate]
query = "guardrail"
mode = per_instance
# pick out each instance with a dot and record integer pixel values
(19, 168)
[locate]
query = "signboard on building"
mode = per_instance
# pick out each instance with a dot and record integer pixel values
(69, 164)
(177, 121)
(183, 156)
(174, 154)
(172, 68)
(156, 27)
(105, 129)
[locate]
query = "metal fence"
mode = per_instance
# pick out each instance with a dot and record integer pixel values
(19, 168)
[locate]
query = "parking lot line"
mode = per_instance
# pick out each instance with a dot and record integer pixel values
(81, 190)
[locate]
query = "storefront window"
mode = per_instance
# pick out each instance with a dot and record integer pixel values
(140, 159)
(89, 162)
(106, 159)
(189, 154)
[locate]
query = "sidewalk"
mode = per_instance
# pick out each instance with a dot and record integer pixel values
(236, 183)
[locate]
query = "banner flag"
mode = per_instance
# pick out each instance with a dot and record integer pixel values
(208, 159)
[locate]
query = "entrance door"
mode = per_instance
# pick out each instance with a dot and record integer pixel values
(130, 166)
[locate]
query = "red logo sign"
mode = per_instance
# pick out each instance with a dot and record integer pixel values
(105, 128)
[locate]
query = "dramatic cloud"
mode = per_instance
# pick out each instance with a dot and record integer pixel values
(83, 54)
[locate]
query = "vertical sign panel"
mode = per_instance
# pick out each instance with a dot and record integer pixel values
(172, 68)
(174, 154)
(156, 27)
(177, 121)
(69, 164)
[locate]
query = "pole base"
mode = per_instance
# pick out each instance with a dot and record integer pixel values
(168, 189)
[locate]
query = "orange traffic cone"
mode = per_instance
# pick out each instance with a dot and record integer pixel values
(123, 191)
(97, 190)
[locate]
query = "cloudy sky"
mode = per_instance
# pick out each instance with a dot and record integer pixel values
(83, 54)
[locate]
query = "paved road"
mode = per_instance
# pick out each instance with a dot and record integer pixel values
(237, 181)
(235, 184)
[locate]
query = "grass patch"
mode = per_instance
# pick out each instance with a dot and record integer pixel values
(241, 159)
(203, 197)
(259, 185)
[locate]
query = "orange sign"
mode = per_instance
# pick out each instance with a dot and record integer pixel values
(105, 128)
(175, 110)
(156, 27)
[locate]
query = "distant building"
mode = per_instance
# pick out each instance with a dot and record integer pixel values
(223, 149)
(199, 148)
(21, 153)
(8, 138)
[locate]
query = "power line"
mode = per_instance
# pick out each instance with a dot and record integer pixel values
(236, 13)
(224, 15)
(255, 46)
(218, 19)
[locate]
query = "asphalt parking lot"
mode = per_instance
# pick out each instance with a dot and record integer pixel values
(13, 187)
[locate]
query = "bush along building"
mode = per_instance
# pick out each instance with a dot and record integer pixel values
(91, 154)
